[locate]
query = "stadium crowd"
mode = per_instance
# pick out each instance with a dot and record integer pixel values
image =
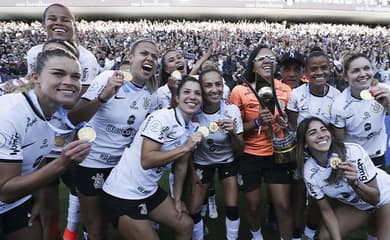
(283, 80)
(108, 41)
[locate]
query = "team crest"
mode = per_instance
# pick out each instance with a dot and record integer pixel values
(98, 181)
(146, 104)
(143, 210)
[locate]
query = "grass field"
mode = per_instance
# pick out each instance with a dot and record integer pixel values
(216, 227)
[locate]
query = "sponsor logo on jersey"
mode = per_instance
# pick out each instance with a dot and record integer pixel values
(30, 122)
(14, 144)
(111, 160)
(131, 119)
(45, 143)
(162, 132)
(126, 132)
(363, 176)
(142, 190)
(134, 105)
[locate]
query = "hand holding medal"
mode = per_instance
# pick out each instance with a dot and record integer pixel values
(366, 94)
(204, 131)
(127, 76)
(176, 74)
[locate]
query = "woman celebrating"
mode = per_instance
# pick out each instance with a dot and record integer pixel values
(257, 163)
(361, 120)
(311, 99)
(217, 151)
(115, 107)
(133, 195)
(27, 135)
(170, 62)
(346, 173)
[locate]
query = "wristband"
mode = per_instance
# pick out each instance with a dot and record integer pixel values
(100, 99)
(257, 122)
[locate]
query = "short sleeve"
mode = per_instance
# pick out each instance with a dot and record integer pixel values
(97, 85)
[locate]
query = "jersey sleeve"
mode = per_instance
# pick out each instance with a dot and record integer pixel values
(11, 138)
(311, 184)
(156, 127)
(97, 85)
(337, 114)
(89, 67)
(238, 125)
(292, 104)
(365, 167)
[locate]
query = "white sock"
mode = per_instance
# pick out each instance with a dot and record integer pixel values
(257, 235)
(232, 227)
(370, 237)
(171, 183)
(198, 232)
(73, 213)
(296, 238)
(309, 232)
(204, 210)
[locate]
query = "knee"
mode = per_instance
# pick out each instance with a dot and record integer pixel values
(324, 234)
(282, 206)
(186, 224)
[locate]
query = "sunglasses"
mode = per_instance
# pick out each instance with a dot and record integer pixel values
(261, 58)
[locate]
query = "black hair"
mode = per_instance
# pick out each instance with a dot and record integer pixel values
(68, 45)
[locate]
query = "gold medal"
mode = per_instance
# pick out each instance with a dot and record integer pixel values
(87, 134)
(176, 74)
(366, 94)
(59, 141)
(213, 127)
(204, 131)
(335, 161)
(127, 76)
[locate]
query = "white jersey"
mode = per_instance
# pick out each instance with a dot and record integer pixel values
(363, 121)
(117, 121)
(217, 146)
(164, 96)
(315, 179)
(88, 62)
(306, 105)
(25, 138)
(128, 180)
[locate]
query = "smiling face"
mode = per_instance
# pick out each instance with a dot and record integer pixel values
(318, 71)
(317, 137)
(189, 98)
(262, 63)
(175, 61)
(59, 23)
(58, 83)
(292, 73)
(143, 61)
(359, 74)
(212, 87)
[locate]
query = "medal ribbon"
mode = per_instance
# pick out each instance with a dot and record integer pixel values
(61, 112)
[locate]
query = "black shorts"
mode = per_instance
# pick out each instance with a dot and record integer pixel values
(89, 181)
(253, 170)
(206, 172)
(114, 207)
(15, 219)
